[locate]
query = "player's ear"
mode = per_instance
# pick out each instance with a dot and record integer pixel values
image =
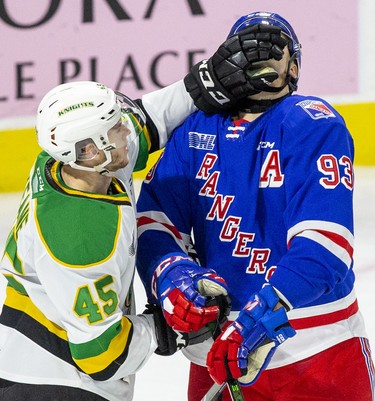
(293, 71)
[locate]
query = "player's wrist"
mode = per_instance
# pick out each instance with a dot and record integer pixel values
(283, 300)
(293, 289)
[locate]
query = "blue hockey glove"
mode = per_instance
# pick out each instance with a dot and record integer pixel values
(190, 296)
(246, 346)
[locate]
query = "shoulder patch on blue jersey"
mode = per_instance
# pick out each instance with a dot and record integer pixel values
(199, 140)
(316, 109)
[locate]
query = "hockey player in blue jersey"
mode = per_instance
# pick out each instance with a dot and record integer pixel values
(266, 193)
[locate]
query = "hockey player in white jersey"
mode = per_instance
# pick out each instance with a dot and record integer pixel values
(67, 326)
(266, 191)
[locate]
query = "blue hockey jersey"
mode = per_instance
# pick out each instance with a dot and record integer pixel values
(265, 201)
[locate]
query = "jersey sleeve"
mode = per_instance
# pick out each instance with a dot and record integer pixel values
(318, 171)
(164, 220)
(166, 109)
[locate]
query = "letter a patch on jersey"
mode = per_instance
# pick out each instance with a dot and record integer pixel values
(316, 109)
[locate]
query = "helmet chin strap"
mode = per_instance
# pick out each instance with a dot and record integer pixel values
(259, 106)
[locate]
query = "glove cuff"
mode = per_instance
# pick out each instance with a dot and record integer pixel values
(283, 300)
(208, 94)
(165, 265)
(168, 340)
(269, 295)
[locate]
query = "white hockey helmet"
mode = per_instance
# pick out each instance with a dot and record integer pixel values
(72, 115)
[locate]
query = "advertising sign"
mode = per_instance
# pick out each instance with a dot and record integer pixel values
(137, 46)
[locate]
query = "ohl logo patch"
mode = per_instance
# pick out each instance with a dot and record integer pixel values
(316, 109)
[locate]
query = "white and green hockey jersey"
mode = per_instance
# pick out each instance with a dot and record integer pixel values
(69, 264)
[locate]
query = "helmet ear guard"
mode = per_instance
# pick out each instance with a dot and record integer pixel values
(293, 81)
(86, 150)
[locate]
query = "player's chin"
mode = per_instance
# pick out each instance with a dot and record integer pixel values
(121, 158)
(118, 163)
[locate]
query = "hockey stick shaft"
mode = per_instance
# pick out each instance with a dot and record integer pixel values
(235, 390)
(216, 390)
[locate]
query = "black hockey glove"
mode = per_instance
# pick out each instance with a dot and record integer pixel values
(231, 73)
(170, 341)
